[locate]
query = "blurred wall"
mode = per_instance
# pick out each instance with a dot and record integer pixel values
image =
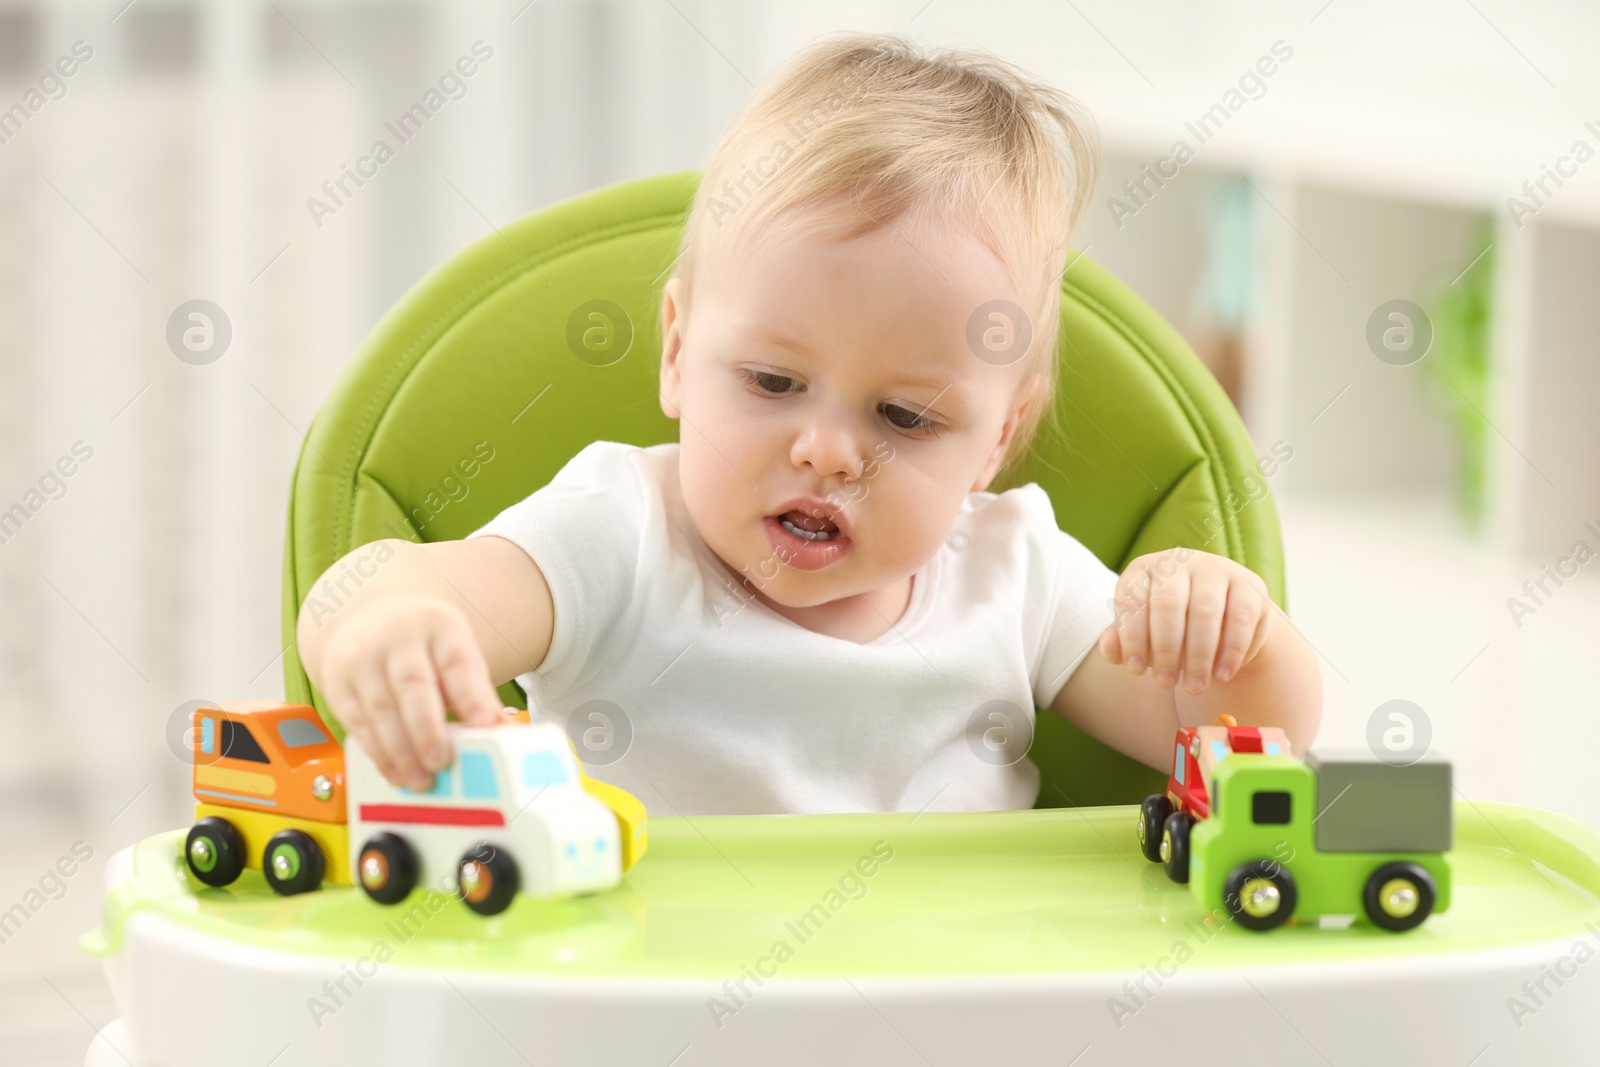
(176, 163)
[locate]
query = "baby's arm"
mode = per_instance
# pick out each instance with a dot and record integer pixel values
(1205, 620)
(435, 625)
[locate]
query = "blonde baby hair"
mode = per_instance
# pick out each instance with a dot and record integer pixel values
(892, 129)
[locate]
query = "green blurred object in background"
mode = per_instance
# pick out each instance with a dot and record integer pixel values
(1457, 370)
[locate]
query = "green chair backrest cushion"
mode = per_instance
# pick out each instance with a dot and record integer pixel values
(503, 362)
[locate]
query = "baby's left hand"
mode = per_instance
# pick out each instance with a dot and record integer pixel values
(1189, 611)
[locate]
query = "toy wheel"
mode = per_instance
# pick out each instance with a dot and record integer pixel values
(292, 863)
(1260, 894)
(1399, 896)
(488, 880)
(214, 851)
(1174, 854)
(387, 869)
(1152, 818)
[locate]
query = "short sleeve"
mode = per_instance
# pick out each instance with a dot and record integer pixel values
(584, 530)
(1078, 592)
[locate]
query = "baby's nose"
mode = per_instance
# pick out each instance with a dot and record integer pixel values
(828, 448)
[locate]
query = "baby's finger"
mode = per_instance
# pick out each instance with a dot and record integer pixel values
(1169, 608)
(393, 754)
(1133, 618)
(1111, 644)
(1208, 599)
(464, 675)
(363, 735)
(1242, 628)
(346, 706)
(416, 690)
(342, 701)
(391, 737)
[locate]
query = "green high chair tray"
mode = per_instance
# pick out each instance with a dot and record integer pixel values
(1037, 936)
(942, 938)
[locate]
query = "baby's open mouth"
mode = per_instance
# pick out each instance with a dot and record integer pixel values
(808, 526)
(808, 535)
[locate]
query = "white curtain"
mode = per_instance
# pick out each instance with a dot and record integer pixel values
(177, 167)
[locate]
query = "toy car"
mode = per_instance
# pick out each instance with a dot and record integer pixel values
(1338, 834)
(269, 795)
(1165, 820)
(514, 812)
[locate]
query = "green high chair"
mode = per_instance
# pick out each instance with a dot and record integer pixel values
(482, 382)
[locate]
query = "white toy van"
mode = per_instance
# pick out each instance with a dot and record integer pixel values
(511, 814)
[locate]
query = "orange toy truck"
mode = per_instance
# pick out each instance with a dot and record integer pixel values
(269, 795)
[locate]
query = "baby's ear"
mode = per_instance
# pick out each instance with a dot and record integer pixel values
(992, 465)
(672, 327)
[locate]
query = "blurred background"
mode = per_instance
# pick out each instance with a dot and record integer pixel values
(1378, 224)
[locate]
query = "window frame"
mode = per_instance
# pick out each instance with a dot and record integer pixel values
(301, 721)
(1256, 798)
(231, 731)
(474, 764)
(552, 758)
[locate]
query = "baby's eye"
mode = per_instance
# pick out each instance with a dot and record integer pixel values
(912, 422)
(767, 382)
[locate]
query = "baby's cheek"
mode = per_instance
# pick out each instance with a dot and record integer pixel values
(911, 532)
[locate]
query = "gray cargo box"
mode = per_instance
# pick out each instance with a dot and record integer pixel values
(1367, 805)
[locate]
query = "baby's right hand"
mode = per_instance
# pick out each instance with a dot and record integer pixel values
(390, 670)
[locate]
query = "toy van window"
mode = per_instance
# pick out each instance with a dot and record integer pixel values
(1270, 808)
(440, 787)
(1177, 765)
(298, 733)
(540, 769)
(237, 743)
(477, 776)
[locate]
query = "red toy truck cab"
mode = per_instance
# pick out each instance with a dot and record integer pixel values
(1165, 819)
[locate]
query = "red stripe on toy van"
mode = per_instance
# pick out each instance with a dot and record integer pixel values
(418, 813)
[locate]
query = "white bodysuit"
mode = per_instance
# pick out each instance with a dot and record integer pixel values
(681, 687)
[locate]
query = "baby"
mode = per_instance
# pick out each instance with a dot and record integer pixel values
(811, 602)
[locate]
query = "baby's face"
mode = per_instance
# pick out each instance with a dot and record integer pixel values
(833, 413)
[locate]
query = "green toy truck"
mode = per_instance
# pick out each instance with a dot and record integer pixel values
(1339, 834)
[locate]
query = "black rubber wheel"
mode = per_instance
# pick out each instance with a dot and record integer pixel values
(1260, 895)
(387, 868)
(1399, 896)
(214, 851)
(292, 863)
(1152, 817)
(488, 880)
(1174, 854)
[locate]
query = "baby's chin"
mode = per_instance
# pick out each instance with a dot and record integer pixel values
(794, 589)
(845, 580)
(788, 587)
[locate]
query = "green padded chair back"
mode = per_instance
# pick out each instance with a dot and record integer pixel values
(505, 361)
